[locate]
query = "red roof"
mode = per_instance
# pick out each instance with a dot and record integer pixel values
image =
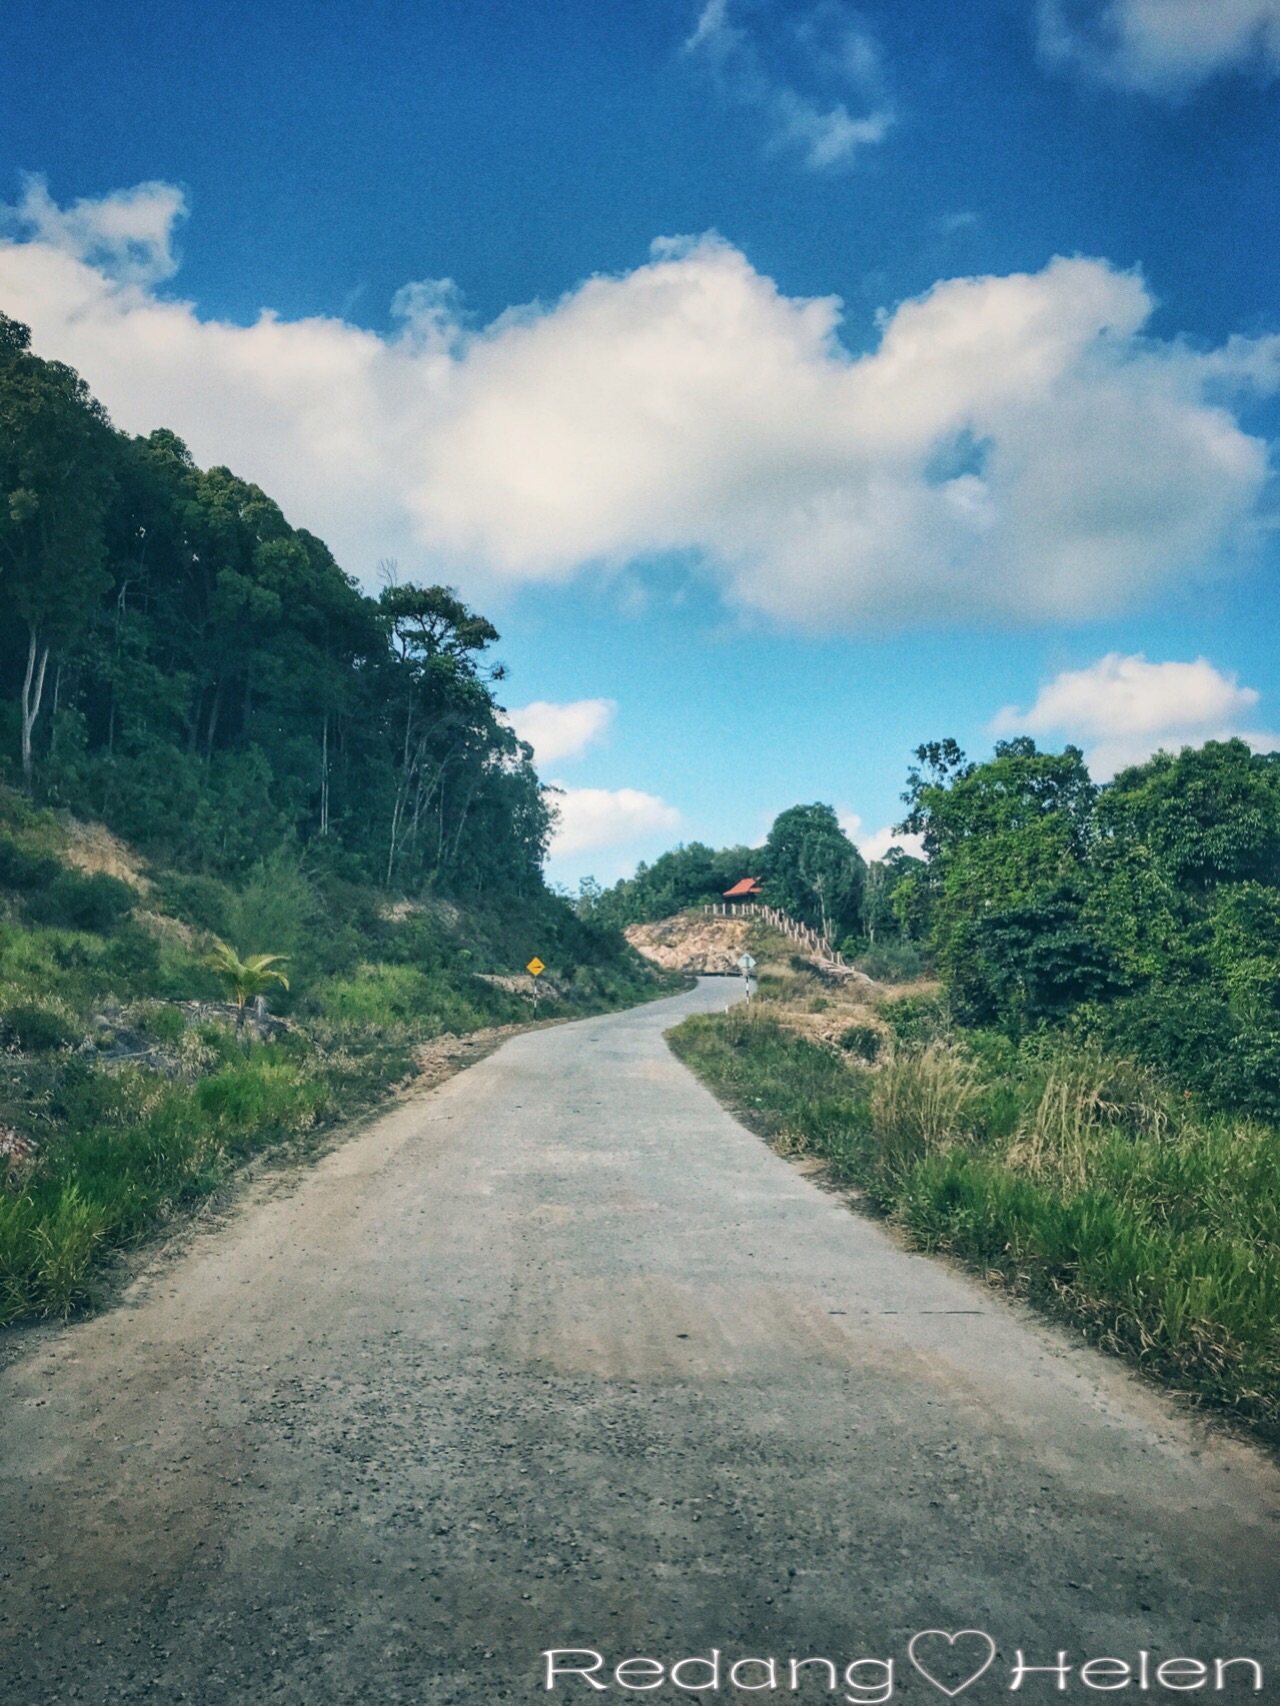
(748, 885)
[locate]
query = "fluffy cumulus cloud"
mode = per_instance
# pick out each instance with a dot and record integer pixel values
(561, 731)
(1162, 47)
(839, 57)
(1122, 709)
(597, 818)
(1011, 447)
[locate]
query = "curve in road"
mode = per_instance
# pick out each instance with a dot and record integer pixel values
(560, 1356)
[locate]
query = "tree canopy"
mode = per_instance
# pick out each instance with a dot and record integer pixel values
(1146, 910)
(179, 660)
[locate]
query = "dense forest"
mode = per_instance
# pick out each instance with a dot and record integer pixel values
(179, 661)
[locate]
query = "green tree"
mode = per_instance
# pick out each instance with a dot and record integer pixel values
(1209, 815)
(243, 979)
(813, 871)
(56, 478)
(1008, 843)
(889, 884)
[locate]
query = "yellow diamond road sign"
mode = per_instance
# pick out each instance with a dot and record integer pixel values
(535, 967)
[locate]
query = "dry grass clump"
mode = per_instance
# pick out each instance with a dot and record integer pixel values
(1088, 1098)
(923, 1102)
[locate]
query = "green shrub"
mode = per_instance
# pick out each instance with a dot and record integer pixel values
(132, 957)
(259, 1100)
(38, 1028)
(73, 901)
(22, 870)
(892, 962)
(922, 1103)
(156, 1019)
(917, 1019)
(861, 1041)
(203, 902)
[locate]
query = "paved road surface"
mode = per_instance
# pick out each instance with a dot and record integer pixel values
(559, 1355)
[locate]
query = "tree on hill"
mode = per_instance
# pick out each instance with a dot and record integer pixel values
(813, 871)
(243, 979)
(56, 480)
(220, 685)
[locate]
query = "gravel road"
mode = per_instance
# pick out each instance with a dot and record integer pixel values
(558, 1355)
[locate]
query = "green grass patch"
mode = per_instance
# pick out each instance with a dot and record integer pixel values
(127, 1151)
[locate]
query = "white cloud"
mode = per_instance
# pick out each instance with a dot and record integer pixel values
(836, 50)
(1161, 47)
(1014, 447)
(1123, 709)
(874, 844)
(127, 234)
(561, 731)
(592, 818)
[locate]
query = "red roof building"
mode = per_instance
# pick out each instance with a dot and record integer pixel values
(748, 889)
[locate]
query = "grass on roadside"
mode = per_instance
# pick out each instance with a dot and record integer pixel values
(126, 1151)
(122, 1103)
(1072, 1177)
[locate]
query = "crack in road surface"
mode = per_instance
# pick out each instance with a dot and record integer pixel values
(559, 1355)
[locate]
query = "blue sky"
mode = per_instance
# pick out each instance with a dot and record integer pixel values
(852, 464)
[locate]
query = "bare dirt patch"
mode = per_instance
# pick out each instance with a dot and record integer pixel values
(692, 942)
(91, 848)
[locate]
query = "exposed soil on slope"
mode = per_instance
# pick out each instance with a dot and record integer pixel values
(692, 942)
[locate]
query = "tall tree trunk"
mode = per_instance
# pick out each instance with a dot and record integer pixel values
(324, 778)
(32, 694)
(214, 709)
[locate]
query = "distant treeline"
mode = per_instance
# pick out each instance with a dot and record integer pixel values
(1144, 913)
(179, 661)
(808, 867)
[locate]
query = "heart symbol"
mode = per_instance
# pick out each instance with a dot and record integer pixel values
(951, 1640)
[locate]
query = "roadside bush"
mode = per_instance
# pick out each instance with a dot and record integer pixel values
(399, 998)
(257, 1101)
(922, 1103)
(917, 1019)
(1087, 1099)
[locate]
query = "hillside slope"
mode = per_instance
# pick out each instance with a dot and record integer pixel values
(133, 1077)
